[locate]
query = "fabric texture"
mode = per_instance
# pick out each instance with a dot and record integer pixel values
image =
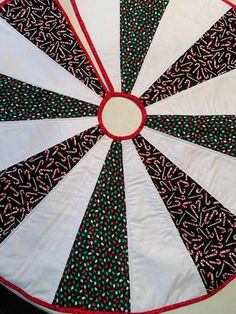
(212, 55)
(24, 185)
(44, 24)
(21, 101)
(99, 254)
(139, 21)
(191, 207)
(215, 132)
(97, 220)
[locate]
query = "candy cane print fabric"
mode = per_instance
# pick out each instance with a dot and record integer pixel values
(44, 24)
(117, 191)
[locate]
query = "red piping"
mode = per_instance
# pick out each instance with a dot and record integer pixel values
(4, 2)
(226, 1)
(128, 96)
(91, 45)
(81, 44)
(77, 38)
(81, 311)
(230, 3)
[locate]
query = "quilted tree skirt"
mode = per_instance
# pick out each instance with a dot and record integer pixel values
(117, 181)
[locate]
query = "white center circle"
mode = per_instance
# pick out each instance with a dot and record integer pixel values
(121, 116)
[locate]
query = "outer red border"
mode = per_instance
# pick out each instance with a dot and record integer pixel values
(93, 49)
(226, 1)
(81, 311)
(230, 3)
(130, 97)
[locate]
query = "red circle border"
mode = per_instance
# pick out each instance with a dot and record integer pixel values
(230, 3)
(137, 101)
(49, 306)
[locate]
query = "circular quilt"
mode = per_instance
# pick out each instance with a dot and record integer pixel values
(117, 166)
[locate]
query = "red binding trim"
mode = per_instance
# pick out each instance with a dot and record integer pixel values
(4, 2)
(128, 96)
(81, 44)
(81, 311)
(91, 45)
(77, 38)
(230, 3)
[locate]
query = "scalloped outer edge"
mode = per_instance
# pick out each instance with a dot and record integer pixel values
(137, 101)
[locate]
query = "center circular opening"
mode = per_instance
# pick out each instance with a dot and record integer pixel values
(121, 116)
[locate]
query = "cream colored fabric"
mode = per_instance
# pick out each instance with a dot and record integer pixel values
(161, 269)
(37, 251)
(181, 26)
(213, 97)
(102, 20)
(214, 171)
(30, 137)
(121, 116)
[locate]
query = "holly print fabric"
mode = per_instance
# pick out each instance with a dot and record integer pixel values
(96, 276)
(214, 132)
(139, 21)
(22, 101)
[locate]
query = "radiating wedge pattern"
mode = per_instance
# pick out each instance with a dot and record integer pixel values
(25, 184)
(212, 55)
(215, 132)
(96, 276)
(43, 23)
(22, 101)
(206, 227)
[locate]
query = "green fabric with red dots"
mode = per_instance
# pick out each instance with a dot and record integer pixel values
(22, 101)
(96, 276)
(139, 21)
(217, 132)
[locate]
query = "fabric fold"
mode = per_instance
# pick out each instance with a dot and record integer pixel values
(44, 23)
